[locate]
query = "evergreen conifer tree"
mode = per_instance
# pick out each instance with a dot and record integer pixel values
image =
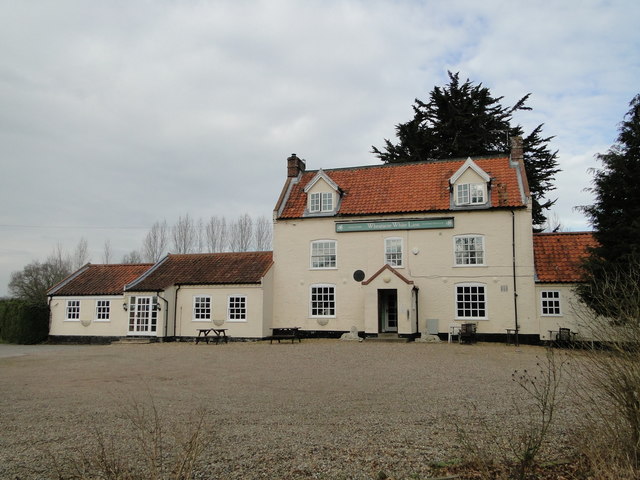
(615, 215)
(464, 119)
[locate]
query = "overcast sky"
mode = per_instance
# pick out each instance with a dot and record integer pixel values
(114, 115)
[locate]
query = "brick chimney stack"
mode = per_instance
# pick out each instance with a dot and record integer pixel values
(517, 153)
(295, 166)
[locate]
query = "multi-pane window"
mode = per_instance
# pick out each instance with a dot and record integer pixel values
(237, 310)
(202, 308)
(323, 254)
(143, 315)
(471, 301)
(470, 194)
(323, 301)
(321, 202)
(550, 302)
(327, 201)
(73, 309)
(469, 250)
(393, 252)
(103, 310)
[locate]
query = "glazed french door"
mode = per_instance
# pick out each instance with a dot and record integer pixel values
(143, 316)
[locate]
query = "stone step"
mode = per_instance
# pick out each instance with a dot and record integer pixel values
(387, 338)
(132, 341)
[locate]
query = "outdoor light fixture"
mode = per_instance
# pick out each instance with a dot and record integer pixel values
(124, 306)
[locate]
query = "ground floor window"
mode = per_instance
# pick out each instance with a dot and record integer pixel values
(202, 308)
(471, 301)
(143, 315)
(103, 310)
(550, 302)
(323, 301)
(237, 310)
(73, 310)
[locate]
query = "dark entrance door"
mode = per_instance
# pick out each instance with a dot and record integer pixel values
(388, 310)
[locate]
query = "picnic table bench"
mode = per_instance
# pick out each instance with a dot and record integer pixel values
(286, 333)
(218, 335)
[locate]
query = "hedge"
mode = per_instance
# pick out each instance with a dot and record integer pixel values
(22, 322)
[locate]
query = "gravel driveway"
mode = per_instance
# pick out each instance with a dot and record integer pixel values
(319, 409)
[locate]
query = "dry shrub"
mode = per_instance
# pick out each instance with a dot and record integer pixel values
(610, 383)
(514, 452)
(144, 448)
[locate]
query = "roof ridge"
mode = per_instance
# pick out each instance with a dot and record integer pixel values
(548, 234)
(405, 164)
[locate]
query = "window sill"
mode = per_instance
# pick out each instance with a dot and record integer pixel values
(323, 268)
(201, 320)
(471, 319)
(102, 320)
(72, 320)
(237, 321)
(470, 265)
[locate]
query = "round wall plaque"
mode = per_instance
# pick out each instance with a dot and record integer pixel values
(358, 275)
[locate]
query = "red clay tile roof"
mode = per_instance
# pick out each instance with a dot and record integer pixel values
(558, 255)
(100, 279)
(205, 269)
(406, 187)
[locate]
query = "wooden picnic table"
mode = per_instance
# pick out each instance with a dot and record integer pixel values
(218, 335)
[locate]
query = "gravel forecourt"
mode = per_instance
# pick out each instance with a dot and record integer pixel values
(320, 409)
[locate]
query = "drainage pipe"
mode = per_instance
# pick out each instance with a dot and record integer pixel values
(515, 284)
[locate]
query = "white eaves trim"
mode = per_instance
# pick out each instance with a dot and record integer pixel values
(473, 166)
(323, 176)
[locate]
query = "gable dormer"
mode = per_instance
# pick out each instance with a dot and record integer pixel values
(323, 195)
(470, 186)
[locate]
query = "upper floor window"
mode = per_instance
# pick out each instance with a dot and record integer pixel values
(469, 250)
(321, 202)
(550, 300)
(73, 310)
(323, 254)
(103, 310)
(470, 194)
(237, 309)
(393, 252)
(202, 308)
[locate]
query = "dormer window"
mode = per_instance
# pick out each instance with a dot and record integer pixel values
(470, 194)
(321, 202)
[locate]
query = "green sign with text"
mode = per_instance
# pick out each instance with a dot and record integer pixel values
(427, 223)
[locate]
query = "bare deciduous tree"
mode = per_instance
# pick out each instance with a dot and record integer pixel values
(216, 233)
(156, 242)
(81, 254)
(200, 237)
(184, 235)
(107, 254)
(241, 234)
(133, 256)
(263, 234)
(32, 282)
